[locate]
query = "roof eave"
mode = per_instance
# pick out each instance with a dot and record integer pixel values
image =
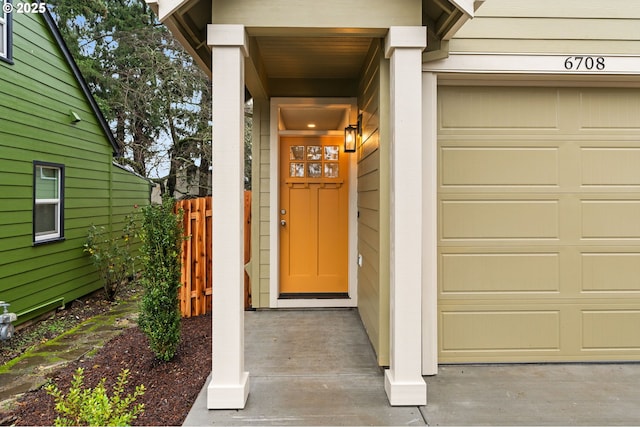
(165, 11)
(467, 10)
(165, 8)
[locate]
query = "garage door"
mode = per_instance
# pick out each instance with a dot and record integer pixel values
(539, 224)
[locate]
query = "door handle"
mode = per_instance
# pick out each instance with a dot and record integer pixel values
(283, 222)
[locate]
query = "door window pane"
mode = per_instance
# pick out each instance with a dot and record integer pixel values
(315, 170)
(331, 152)
(314, 152)
(296, 170)
(296, 152)
(331, 170)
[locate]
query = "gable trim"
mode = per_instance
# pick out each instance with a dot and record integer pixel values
(81, 81)
(465, 6)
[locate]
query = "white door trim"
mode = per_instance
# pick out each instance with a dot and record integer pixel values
(274, 197)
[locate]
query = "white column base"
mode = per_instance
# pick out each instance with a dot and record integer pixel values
(228, 396)
(404, 393)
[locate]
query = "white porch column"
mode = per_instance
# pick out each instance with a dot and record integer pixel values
(229, 387)
(403, 381)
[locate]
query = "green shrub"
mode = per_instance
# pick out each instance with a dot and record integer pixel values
(94, 407)
(112, 255)
(162, 238)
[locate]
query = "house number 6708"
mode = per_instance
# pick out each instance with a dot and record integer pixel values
(585, 63)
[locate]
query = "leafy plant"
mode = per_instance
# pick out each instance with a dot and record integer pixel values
(112, 256)
(94, 407)
(161, 236)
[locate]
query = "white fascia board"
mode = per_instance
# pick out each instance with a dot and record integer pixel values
(468, 9)
(466, 6)
(166, 8)
(455, 27)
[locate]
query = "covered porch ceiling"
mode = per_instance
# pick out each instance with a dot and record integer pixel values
(305, 61)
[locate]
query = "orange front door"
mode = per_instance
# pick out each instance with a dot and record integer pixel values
(313, 216)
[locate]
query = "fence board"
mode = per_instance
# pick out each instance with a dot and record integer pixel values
(196, 273)
(247, 247)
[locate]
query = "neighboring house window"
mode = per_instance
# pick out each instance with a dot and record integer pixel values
(48, 201)
(5, 30)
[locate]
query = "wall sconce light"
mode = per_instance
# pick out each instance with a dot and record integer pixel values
(352, 134)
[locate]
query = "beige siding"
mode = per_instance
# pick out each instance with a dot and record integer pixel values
(373, 276)
(329, 13)
(552, 26)
(260, 205)
(539, 237)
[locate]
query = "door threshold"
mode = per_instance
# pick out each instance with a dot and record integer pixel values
(315, 295)
(295, 301)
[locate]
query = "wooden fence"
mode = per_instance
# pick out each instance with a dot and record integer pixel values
(196, 289)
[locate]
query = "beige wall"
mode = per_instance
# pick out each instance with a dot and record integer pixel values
(260, 251)
(373, 204)
(552, 26)
(315, 14)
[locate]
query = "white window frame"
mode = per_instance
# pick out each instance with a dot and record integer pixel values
(58, 234)
(5, 30)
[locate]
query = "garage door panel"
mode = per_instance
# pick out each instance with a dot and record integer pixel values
(609, 109)
(508, 109)
(500, 330)
(603, 166)
(611, 329)
(611, 272)
(482, 273)
(553, 332)
(499, 219)
(610, 219)
(499, 166)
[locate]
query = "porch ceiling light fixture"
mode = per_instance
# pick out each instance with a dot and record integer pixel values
(352, 134)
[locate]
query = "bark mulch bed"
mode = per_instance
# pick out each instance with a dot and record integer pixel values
(171, 387)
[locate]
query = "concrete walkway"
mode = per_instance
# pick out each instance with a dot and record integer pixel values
(317, 367)
(308, 367)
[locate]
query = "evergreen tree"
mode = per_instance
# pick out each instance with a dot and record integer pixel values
(155, 98)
